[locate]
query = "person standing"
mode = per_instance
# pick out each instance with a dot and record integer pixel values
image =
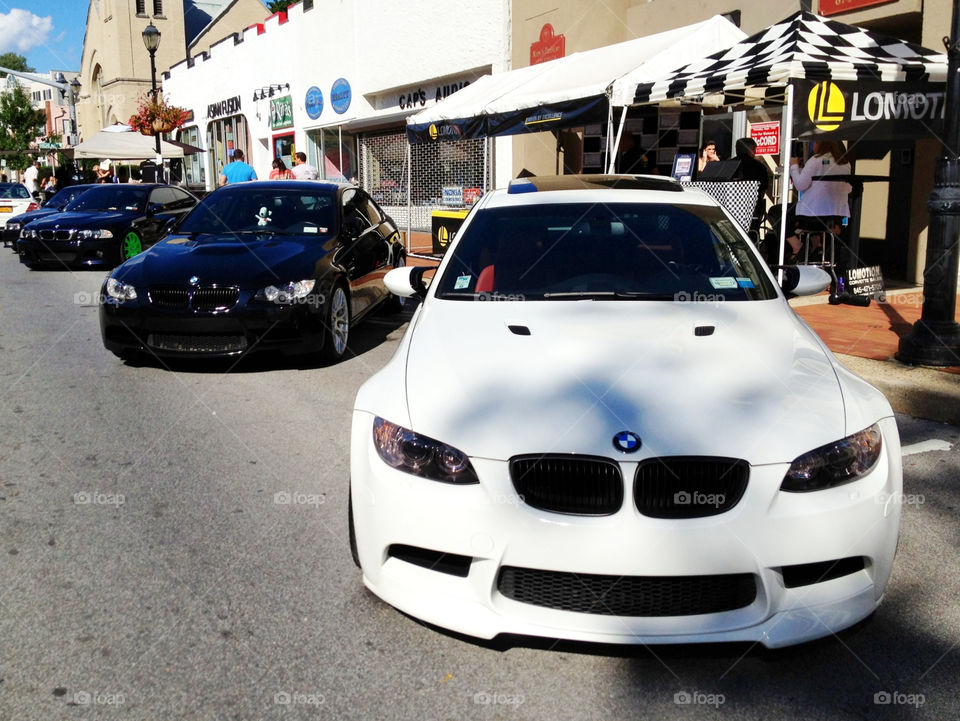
(302, 170)
(823, 204)
(754, 169)
(30, 176)
(237, 171)
(280, 170)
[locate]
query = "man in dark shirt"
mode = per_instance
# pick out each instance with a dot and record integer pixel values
(753, 169)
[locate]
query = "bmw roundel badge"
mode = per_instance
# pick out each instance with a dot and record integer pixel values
(626, 442)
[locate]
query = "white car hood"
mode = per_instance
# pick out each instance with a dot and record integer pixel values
(760, 387)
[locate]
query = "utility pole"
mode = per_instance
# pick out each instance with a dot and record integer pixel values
(935, 338)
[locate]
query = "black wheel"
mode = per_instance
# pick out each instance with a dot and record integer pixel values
(130, 245)
(352, 532)
(394, 303)
(336, 328)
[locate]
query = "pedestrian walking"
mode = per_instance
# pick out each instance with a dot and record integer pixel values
(280, 170)
(237, 171)
(302, 170)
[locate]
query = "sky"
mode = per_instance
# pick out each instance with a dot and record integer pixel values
(49, 33)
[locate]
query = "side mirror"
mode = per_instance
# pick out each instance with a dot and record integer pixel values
(407, 281)
(804, 280)
(353, 228)
(153, 209)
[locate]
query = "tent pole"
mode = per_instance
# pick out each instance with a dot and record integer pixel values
(609, 145)
(616, 145)
(409, 243)
(786, 136)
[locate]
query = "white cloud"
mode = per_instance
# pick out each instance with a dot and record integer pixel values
(21, 30)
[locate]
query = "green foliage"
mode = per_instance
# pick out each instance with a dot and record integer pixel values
(13, 61)
(20, 125)
(275, 6)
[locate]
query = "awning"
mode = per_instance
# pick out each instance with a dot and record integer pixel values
(569, 91)
(119, 144)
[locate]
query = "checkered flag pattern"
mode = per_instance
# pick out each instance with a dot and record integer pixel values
(804, 46)
(738, 197)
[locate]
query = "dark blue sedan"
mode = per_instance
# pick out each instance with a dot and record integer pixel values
(258, 266)
(104, 227)
(57, 204)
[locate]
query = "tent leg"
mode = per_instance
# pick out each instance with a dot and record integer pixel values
(613, 154)
(786, 128)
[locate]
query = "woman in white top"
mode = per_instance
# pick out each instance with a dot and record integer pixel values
(823, 203)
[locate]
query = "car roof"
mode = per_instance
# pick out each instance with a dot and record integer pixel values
(280, 184)
(537, 190)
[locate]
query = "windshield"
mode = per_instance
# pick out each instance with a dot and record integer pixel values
(65, 196)
(110, 197)
(14, 190)
(641, 251)
(251, 210)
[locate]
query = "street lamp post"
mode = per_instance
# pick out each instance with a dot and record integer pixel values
(935, 338)
(70, 91)
(151, 40)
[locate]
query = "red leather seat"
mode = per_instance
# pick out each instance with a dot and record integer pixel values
(485, 281)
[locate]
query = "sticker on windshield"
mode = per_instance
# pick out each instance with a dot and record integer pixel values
(463, 281)
(720, 283)
(745, 283)
(311, 229)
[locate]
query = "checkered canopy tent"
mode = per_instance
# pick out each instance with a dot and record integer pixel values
(802, 47)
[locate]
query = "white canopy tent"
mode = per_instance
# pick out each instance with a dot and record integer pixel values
(568, 91)
(119, 142)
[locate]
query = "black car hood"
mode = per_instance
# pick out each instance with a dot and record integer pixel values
(256, 262)
(25, 218)
(86, 219)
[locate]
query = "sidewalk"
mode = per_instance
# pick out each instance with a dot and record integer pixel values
(866, 341)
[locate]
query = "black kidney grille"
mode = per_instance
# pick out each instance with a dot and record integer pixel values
(628, 595)
(56, 234)
(173, 298)
(215, 298)
(689, 486)
(582, 485)
(203, 299)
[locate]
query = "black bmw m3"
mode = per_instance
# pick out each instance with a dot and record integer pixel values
(266, 265)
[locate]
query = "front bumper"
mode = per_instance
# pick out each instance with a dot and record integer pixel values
(492, 527)
(93, 253)
(250, 326)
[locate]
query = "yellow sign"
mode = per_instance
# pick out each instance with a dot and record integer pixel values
(443, 235)
(826, 106)
(433, 131)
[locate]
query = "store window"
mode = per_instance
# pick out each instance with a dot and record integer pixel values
(193, 170)
(339, 155)
(283, 148)
(223, 137)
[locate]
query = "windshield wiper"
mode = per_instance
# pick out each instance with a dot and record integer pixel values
(606, 295)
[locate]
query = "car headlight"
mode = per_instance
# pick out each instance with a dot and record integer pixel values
(407, 451)
(288, 293)
(28, 234)
(836, 463)
(13, 226)
(118, 290)
(94, 234)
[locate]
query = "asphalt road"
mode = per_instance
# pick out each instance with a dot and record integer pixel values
(173, 545)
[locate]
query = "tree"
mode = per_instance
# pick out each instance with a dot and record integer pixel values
(274, 6)
(12, 61)
(20, 125)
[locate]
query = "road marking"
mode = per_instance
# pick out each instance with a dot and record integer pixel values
(925, 447)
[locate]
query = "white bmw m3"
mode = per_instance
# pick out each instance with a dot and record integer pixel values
(605, 423)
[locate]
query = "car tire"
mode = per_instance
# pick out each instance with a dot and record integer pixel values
(394, 303)
(336, 324)
(130, 245)
(351, 530)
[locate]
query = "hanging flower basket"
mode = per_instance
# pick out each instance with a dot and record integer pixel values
(156, 116)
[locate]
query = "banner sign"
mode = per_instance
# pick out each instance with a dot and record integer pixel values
(767, 137)
(865, 281)
(281, 112)
(868, 109)
(834, 7)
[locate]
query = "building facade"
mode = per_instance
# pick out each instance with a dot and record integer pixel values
(115, 65)
(337, 80)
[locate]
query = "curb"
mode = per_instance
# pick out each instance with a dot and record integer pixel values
(913, 390)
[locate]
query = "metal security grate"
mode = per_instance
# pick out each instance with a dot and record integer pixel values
(650, 596)
(410, 194)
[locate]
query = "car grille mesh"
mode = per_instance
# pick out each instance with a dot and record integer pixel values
(628, 595)
(689, 486)
(56, 234)
(202, 299)
(197, 343)
(581, 485)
